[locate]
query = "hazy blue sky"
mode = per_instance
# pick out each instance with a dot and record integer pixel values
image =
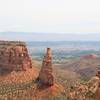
(49, 16)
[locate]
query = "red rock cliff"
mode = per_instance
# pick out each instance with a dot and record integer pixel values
(14, 56)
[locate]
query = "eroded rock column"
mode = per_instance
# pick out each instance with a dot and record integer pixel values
(46, 73)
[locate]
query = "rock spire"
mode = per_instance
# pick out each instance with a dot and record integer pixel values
(46, 73)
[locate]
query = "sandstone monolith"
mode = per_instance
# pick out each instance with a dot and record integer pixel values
(46, 73)
(14, 56)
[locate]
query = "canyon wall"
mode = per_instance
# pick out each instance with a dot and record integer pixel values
(14, 56)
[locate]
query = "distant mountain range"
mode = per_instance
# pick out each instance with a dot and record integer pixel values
(32, 36)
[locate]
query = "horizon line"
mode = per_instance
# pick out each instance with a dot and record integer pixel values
(51, 32)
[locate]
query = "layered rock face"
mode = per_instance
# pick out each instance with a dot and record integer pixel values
(14, 56)
(46, 73)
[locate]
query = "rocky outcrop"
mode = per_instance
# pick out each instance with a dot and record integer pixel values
(89, 56)
(94, 86)
(87, 91)
(46, 73)
(98, 74)
(14, 56)
(97, 94)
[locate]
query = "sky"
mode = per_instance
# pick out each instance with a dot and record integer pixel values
(52, 18)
